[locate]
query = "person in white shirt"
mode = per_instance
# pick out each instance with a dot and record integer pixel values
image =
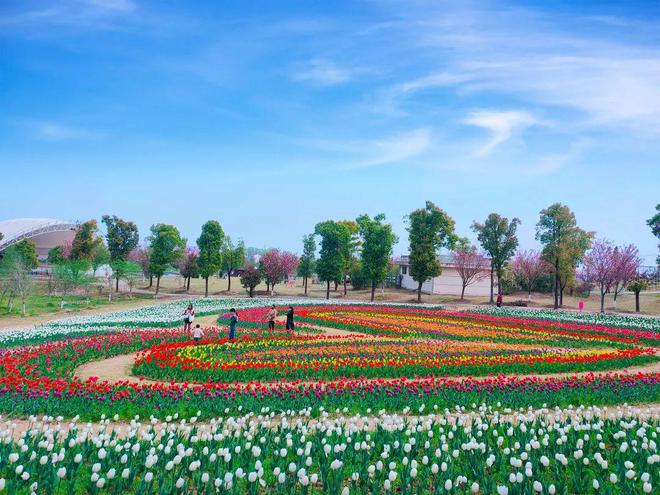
(188, 317)
(197, 333)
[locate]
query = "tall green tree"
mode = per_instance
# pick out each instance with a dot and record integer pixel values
(377, 243)
(85, 241)
(497, 237)
(429, 229)
(100, 256)
(350, 244)
(55, 255)
(71, 275)
(210, 251)
(307, 260)
(167, 247)
(121, 237)
(564, 243)
(654, 223)
(27, 251)
(233, 257)
(330, 265)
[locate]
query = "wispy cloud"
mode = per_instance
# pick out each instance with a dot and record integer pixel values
(92, 13)
(501, 124)
(322, 72)
(397, 148)
(55, 131)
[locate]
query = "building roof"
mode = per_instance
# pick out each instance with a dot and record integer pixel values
(24, 228)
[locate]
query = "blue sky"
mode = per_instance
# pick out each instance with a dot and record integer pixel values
(272, 116)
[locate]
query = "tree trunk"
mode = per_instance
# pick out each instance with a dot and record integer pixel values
(419, 292)
(637, 301)
(151, 281)
(345, 285)
(251, 291)
(206, 287)
(616, 291)
(157, 284)
(336, 286)
(272, 289)
(117, 283)
(463, 292)
(602, 301)
(373, 291)
(24, 308)
(228, 280)
(529, 293)
(267, 286)
(556, 287)
(188, 285)
(492, 281)
(305, 284)
(327, 290)
(561, 296)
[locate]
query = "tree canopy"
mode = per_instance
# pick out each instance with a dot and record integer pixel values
(330, 265)
(308, 259)
(210, 244)
(377, 243)
(121, 238)
(85, 240)
(167, 246)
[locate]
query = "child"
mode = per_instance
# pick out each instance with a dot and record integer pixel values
(197, 333)
(233, 319)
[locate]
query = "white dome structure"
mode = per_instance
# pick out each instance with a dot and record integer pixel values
(46, 233)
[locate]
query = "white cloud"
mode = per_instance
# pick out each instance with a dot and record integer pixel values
(397, 148)
(322, 72)
(118, 5)
(501, 124)
(54, 131)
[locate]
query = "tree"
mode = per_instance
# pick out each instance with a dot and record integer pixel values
(55, 255)
(131, 274)
(250, 278)
(529, 266)
(100, 256)
(233, 257)
(27, 251)
(16, 278)
(276, 265)
(429, 229)
(626, 268)
(142, 256)
(210, 256)
(330, 265)
(166, 248)
(638, 286)
(84, 241)
(349, 244)
(307, 260)
(564, 242)
(654, 223)
(188, 266)
(497, 237)
(70, 275)
(470, 265)
(599, 266)
(121, 237)
(377, 243)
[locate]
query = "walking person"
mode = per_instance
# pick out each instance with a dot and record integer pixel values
(499, 300)
(290, 325)
(197, 333)
(233, 320)
(270, 317)
(188, 317)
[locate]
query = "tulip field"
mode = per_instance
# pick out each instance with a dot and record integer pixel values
(360, 398)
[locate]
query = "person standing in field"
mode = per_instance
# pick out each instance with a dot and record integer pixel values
(233, 320)
(197, 333)
(290, 326)
(270, 317)
(188, 317)
(499, 300)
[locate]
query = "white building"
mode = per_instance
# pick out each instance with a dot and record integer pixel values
(46, 233)
(449, 282)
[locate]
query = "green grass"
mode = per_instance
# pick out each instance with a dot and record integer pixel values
(39, 304)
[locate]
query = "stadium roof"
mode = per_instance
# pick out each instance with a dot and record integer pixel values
(18, 229)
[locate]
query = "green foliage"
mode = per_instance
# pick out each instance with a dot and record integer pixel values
(71, 275)
(84, 241)
(307, 260)
(377, 243)
(429, 229)
(210, 244)
(166, 247)
(121, 237)
(638, 285)
(100, 255)
(232, 256)
(359, 279)
(497, 237)
(27, 251)
(654, 223)
(330, 265)
(55, 255)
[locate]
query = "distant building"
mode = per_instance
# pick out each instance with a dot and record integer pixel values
(46, 233)
(449, 282)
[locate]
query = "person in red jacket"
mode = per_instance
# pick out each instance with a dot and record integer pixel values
(499, 300)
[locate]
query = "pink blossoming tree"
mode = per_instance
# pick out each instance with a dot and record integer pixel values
(276, 265)
(470, 265)
(529, 266)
